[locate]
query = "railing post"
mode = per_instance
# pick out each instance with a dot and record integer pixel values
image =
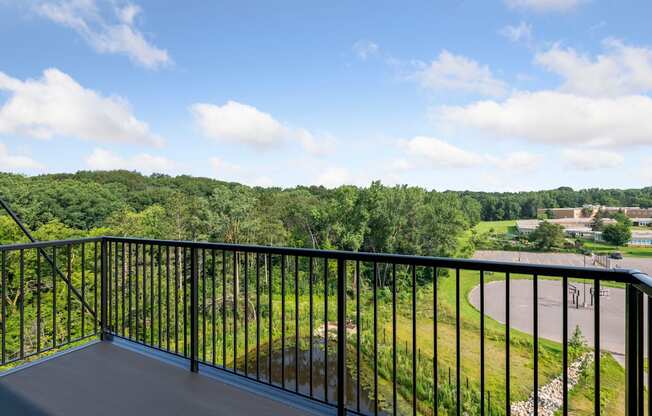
(633, 351)
(341, 336)
(104, 329)
(194, 300)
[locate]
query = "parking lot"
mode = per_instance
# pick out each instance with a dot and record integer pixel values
(568, 259)
(612, 306)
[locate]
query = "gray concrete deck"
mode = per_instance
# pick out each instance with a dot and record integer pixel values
(107, 379)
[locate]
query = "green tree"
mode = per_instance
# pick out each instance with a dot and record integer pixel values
(547, 236)
(233, 214)
(617, 234)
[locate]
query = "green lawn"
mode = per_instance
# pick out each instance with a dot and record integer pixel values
(500, 227)
(626, 250)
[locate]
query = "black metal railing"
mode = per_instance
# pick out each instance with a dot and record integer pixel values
(311, 322)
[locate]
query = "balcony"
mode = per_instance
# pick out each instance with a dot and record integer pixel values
(118, 325)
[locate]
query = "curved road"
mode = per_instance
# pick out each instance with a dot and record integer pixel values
(612, 312)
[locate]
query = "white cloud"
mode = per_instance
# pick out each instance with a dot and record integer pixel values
(522, 32)
(232, 172)
(240, 123)
(334, 176)
(544, 5)
(244, 124)
(437, 153)
(111, 31)
(620, 70)
(559, 118)
(13, 163)
(590, 159)
(56, 105)
(102, 159)
(519, 161)
(222, 168)
(457, 72)
(365, 49)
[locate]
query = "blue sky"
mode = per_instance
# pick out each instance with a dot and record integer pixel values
(491, 95)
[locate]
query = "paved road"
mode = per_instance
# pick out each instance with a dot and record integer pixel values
(642, 264)
(612, 312)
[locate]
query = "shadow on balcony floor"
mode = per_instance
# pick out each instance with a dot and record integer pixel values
(106, 379)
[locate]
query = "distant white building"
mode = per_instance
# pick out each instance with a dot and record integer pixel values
(580, 228)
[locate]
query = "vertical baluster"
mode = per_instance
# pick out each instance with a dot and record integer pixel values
(68, 292)
(95, 286)
(124, 293)
(458, 376)
(107, 286)
(184, 283)
(223, 309)
(151, 295)
(633, 317)
(176, 299)
(194, 306)
(38, 301)
(508, 406)
(535, 295)
(167, 297)
(257, 316)
(214, 308)
(564, 357)
(117, 281)
(246, 313)
(375, 305)
(203, 296)
(341, 337)
(137, 297)
(3, 301)
(236, 286)
(38, 294)
(596, 347)
(394, 395)
(22, 305)
(482, 375)
(358, 329)
(311, 262)
(414, 340)
(283, 321)
(160, 297)
(649, 352)
(54, 297)
(270, 287)
(326, 329)
(435, 334)
(296, 323)
(130, 283)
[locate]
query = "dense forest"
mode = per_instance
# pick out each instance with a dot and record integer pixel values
(376, 218)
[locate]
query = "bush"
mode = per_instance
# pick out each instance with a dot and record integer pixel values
(617, 234)
(576, 344)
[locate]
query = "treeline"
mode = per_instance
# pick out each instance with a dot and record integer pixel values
(376, 218)
(514, 205)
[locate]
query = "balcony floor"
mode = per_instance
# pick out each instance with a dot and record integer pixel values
(107, 379)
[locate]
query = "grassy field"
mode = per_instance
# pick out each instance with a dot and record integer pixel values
(625, 250)
(499, 227)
